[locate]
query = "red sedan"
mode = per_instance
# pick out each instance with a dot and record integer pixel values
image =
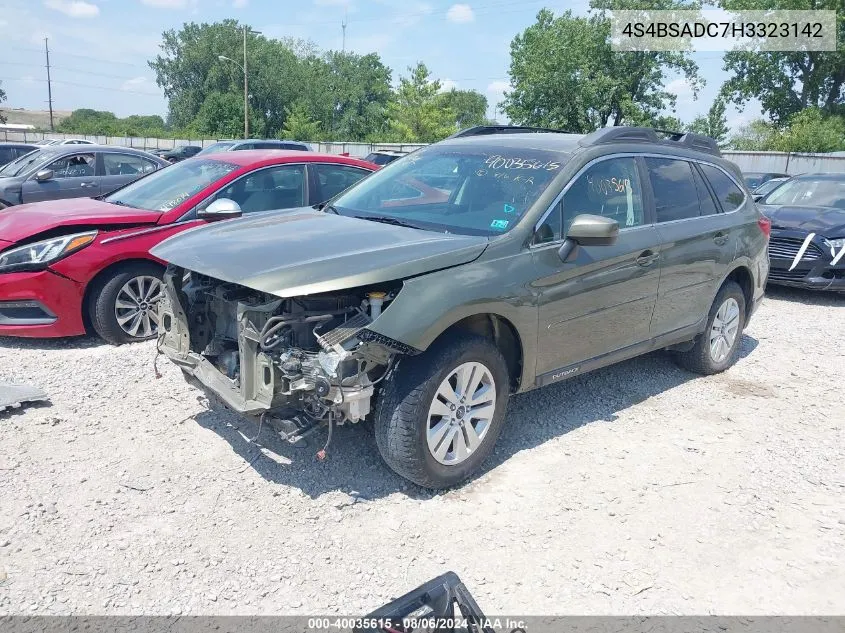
(67, 264)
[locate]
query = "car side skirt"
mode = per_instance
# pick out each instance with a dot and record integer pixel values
(675, 337)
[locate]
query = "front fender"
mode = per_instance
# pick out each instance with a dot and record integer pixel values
(429, 304)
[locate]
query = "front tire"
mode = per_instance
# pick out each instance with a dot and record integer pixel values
(124, 304)
(717, 348)
(438, 417)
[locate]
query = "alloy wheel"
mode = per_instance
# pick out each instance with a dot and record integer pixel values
(461, 413)
(136, 306)
(724, 330)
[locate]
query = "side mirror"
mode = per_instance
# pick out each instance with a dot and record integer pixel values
(44, 175)
(220, 209)
(589, 230)
(757, 197)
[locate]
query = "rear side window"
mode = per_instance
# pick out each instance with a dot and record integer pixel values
(675, 193)
(705, 200)
(126, 165)
(730, 196)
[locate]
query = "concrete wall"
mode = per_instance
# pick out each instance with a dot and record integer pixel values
(786, 163)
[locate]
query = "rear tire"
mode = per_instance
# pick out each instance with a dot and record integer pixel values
(439, 415)
(717, 348)
(111, 303)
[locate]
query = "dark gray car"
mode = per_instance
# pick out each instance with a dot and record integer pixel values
(492, 263)
(72, 171)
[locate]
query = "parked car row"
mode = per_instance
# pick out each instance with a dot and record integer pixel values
(66, 263)
(325, 290)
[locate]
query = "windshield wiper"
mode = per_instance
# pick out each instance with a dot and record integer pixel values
(120, 203)
(386, 219)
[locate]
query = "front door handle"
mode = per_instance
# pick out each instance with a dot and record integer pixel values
(721, 238)
(647, 258)
(88, 184)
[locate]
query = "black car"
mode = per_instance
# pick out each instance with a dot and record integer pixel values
(180, 153)
(383, 157)
(13, 151)
(754, 179)
(807, 247)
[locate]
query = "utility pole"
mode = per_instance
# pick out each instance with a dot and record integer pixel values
(246, 90)
(343, 26)
(49, 86)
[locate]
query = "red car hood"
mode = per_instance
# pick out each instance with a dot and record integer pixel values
(25, 220)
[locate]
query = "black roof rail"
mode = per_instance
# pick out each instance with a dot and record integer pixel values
(482, 130)
(622, 134)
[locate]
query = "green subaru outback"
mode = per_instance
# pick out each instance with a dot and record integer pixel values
(497, 261)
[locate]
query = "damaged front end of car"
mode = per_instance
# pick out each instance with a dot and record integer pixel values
(310, 356)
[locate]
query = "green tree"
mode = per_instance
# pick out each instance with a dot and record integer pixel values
(417, 116)
(714, 124)
(350, 94)
(564, 73)
(469, 106)
(756, 136)
(299, 125)
(189, 70)
(221, 115)
(788, 82)
(2, 99)
(811, 130)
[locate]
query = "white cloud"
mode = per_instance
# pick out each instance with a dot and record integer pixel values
(240, 4)
(682, 89)
(332, 3)
(447, 84)
(169, 4)
(498, 87)
(413, 14)
(460, 14)
(74, 8)
(135, 83)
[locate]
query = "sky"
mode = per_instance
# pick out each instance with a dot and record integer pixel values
(99, 48)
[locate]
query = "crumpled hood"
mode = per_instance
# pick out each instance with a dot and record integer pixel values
(291, 253)
(826, 221)
(25, 220)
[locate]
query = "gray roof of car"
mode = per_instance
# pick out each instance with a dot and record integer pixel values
(550, 141)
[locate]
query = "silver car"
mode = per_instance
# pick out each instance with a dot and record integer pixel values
(72, 171)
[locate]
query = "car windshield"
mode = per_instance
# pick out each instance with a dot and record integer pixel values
(810, 192)
(26, 162)
(477, 190)
(769, 185)
(163, 190)
(222, 146)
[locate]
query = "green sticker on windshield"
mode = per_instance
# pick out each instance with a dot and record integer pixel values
(499, 225)
(509, 208)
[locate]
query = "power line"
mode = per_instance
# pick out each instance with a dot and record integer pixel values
(78, 85)
(72, 70)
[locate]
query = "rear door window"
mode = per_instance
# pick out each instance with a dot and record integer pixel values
(332, 179)
(675, 193)
(730, 196)
(126, 165)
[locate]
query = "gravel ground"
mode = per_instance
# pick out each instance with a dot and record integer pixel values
(636, 489)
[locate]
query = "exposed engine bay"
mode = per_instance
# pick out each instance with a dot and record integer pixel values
(261, 353)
